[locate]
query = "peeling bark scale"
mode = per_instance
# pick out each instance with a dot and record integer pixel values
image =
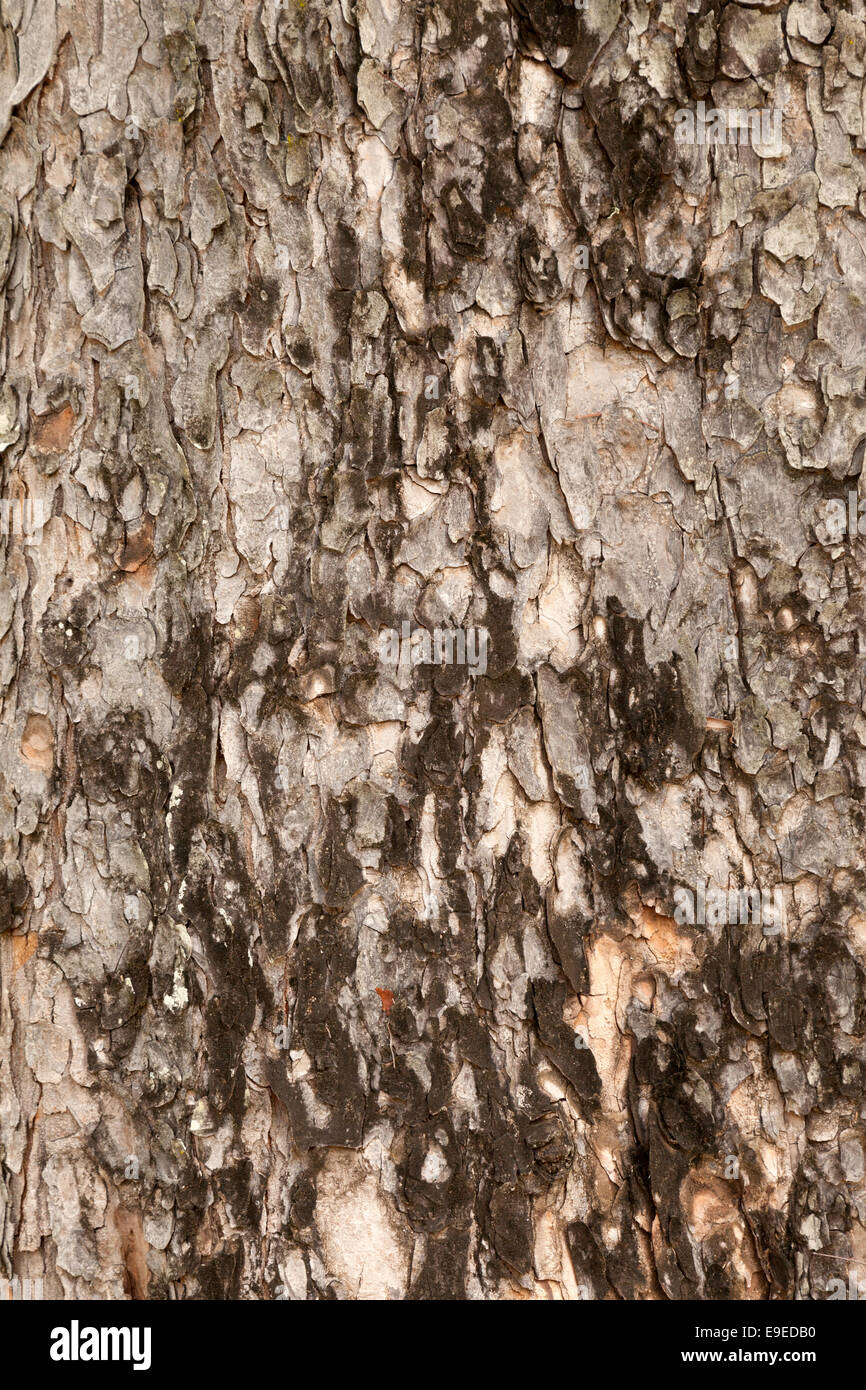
(432, 637)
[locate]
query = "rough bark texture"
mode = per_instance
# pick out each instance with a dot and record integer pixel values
(329, 978)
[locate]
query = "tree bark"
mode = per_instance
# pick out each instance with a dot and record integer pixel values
(327, 972)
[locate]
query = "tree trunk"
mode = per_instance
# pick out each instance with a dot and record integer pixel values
(431, 638)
